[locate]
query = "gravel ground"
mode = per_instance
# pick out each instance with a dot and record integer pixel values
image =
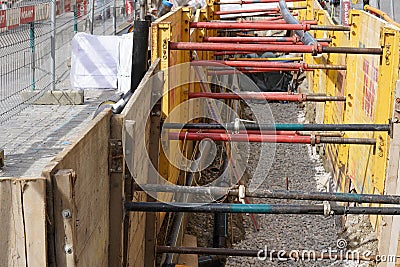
(298, 167)
(302, 168)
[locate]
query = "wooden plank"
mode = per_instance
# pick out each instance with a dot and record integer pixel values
(12, 236)
(64, 205)
(116, 217)
(187, 259)
(391, 185)
(141, 156)
(34, 206)
(88, 157)
(23, 222)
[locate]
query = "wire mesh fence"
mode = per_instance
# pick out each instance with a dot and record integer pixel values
(27, 54)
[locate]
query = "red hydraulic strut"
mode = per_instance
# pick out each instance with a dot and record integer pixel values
(271, 96)
(315, 49)
(242, 137)
(266, 64)
(253, 2)
(295, 139)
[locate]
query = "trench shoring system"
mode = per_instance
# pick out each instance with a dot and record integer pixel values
(222, 56)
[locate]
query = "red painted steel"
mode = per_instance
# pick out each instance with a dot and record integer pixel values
(246, 132)
(252, 96)
(242, 47)
(247, 25)
(298, 139)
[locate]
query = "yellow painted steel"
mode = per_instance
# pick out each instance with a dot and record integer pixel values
(368, 85)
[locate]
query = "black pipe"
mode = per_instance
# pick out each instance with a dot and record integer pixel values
(281, 127)
(266, 254)
(140, 54)
(274, 194)
(305, 37)
(201, 155)
(256, 208)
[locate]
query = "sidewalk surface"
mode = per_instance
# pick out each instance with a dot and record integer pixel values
(35, 136)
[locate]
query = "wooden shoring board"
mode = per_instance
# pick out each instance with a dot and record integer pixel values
(23, 222)
(87, 157)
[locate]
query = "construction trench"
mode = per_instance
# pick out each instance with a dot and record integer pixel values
(196, 166)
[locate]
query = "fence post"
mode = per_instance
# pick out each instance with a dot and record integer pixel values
(75, 18)
(115, 17)
(53, 44)
(32, 47)
(91, 17)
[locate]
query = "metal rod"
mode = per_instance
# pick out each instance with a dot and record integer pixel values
(271, 48)
(265, 26)
(318, 133)
(283, 127)
(259, 138)
(240, 70)
(268, 59)
(269, 254)
(238, 11)
(53, 29)
(33, 60)
(254, 64)
(278, 21)
(249, 39)
(274, 194)
(268, 96)
(256, 208)
(242, 2)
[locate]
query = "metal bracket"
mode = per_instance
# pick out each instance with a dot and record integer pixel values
(116, 156)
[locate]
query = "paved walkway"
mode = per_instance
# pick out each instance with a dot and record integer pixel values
(32, 138)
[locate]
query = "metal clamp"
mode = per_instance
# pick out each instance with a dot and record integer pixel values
(242, 194)
(327, 209)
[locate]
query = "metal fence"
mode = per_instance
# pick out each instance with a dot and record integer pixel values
(31, 60)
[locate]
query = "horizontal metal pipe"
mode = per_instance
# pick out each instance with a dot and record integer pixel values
(266, 64)
(256, 208)
(239, 11)
(279, 21)
(308, 133)
(272, 253)
(250, 132)
(242, 2)
(273, 194)
(259, 138)
(351, 50)
(283, 127)
(266, 26)
(226, 53)
(271, 48)
(267, 59)
(248, 39)
(268, 96)
(240, 70)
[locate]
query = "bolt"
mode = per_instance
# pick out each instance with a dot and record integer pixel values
(67, 249)
(66, 214)
(119, 143)
(397, 100)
